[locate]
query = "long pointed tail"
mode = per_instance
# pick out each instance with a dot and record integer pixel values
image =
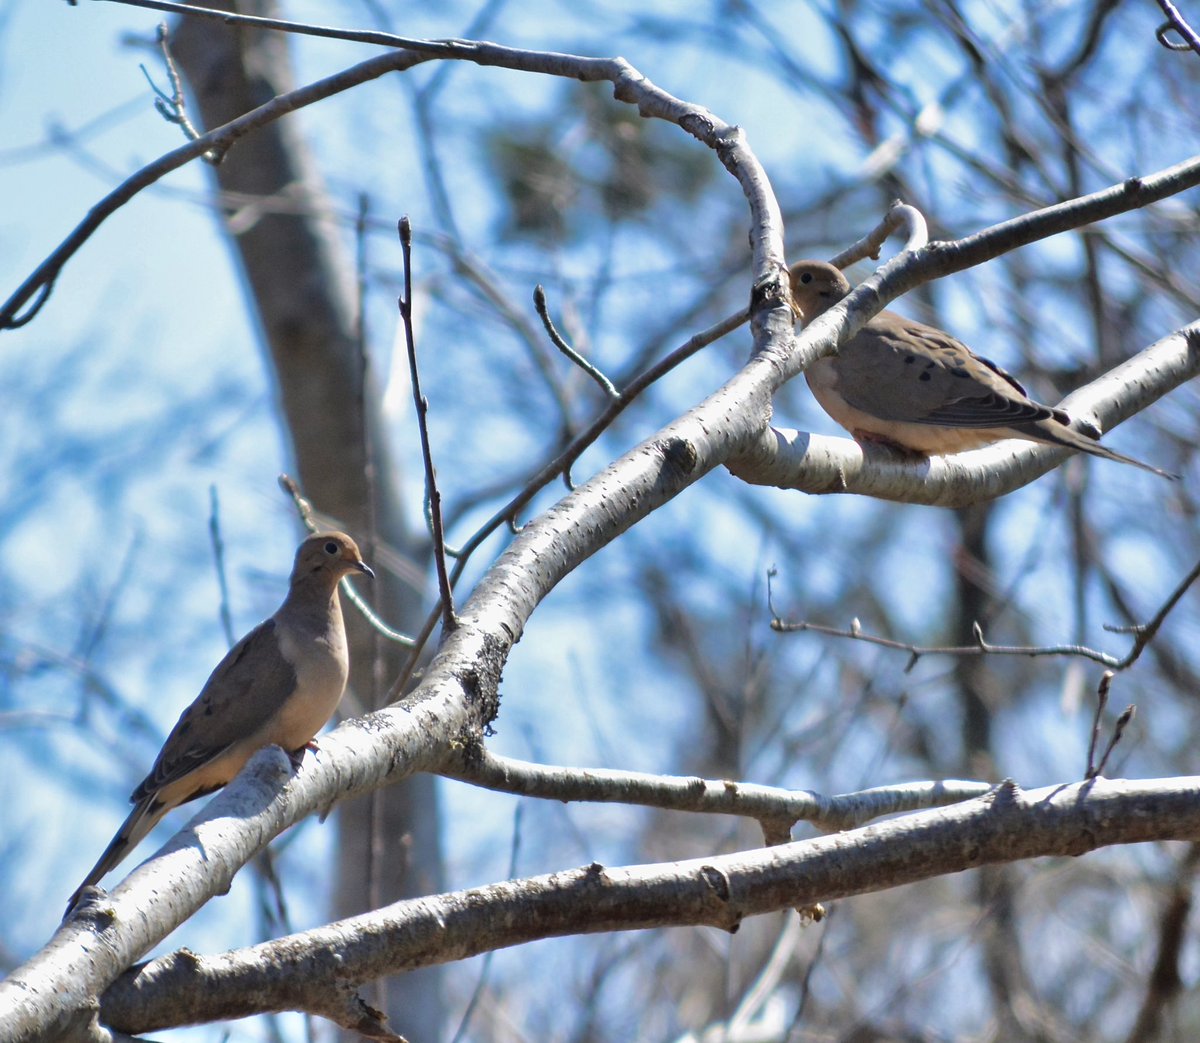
(1095, 449)
(1083, 436)
(141, 820)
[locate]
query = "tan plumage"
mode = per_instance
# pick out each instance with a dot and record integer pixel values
(919, 389)
(280, 684)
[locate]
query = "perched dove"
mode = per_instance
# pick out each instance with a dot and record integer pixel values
(917, 389)
(279, 684)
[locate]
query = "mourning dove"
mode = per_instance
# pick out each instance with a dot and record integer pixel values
(278, 685)
(918, 389)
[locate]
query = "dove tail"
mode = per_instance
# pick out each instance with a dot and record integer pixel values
(1108, 454)
(141, 820)
(1083, 436)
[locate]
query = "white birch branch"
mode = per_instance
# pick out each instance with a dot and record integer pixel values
(768, 804)
(813, 463)
(302, 971)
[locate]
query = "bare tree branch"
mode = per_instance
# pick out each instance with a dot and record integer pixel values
(1006, 825)
(629, 86)
(433, 495)
(539, 302)
(36, 289)
(767, 804)
(899, 217)
(1143, 635)
(1176, 21)
(820, 464)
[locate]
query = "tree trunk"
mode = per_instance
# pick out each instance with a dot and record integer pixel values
(297, 274)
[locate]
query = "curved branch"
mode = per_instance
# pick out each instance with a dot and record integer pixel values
(629, 86)
(1176, 21)
(900, 217)
(819, 464)
(38, 286)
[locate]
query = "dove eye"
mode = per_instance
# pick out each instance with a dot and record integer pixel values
(331, 547)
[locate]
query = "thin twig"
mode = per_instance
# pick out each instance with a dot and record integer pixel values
(981, 647)
(507, 515)
(173, 107)
(272, 905)
(218, 548)
(539, 302)
(302, 503)
(95, 631)
(899, 215)
(1177, 22)
(300, 28)
(418, 645)
(304, 509)
(1101, 702)
(31, 296)
(432, 493)
(1127, 715)
(561, 463)
(1143, 635)
(768, 982)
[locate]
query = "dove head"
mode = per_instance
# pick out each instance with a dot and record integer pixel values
(816, 287)
(330, 554)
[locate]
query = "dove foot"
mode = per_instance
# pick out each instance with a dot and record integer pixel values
(297, 756)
